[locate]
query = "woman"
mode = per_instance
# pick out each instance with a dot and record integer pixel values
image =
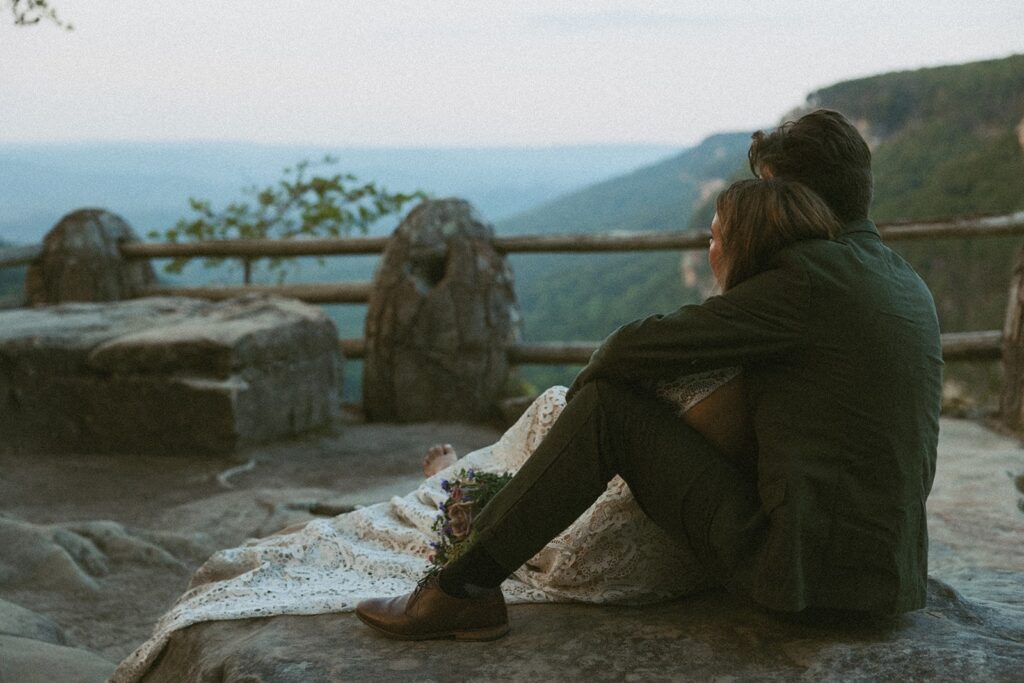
(754, 220)
(612, 553)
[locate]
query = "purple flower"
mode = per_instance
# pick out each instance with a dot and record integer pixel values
(471, 474)
(445, 485)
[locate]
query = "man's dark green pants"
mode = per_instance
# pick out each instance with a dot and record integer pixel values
(679, 480)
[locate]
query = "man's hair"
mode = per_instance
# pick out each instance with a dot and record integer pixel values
(759, 217)
(823, 151)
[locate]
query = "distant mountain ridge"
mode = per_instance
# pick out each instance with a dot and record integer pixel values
(946, 140)
(149, 183)
(660, 196)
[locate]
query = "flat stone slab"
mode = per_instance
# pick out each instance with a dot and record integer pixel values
(32, 648)
(712, 636)
(971, 630)
(976, 524)
(32, 660)
(165, 375)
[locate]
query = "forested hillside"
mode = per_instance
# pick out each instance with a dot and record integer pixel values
(586, 296)
(946, 141)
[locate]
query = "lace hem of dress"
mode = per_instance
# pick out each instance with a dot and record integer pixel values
(689, 390)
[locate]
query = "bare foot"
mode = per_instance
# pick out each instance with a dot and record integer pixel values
(438, 457)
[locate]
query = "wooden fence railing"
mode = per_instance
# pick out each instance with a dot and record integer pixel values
(982, 345)
(980, 226)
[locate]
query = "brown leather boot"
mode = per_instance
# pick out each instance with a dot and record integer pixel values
(429, 613)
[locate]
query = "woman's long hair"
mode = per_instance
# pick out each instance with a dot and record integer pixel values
(760, 216)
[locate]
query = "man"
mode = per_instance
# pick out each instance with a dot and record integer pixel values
(839, 346)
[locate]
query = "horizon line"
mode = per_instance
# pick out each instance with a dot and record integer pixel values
(185, 142)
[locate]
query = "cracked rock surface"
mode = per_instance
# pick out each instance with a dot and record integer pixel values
(98, 546)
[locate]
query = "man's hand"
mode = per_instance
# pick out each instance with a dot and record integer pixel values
(576, 385)
(759, 319)
(588, 374)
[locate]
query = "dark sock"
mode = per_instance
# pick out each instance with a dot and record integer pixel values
(473, 572)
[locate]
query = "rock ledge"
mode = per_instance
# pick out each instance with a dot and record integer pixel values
(165, 375)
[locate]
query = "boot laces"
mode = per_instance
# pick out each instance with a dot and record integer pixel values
(423, 583)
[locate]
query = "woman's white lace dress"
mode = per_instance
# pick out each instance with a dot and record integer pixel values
(612, 554)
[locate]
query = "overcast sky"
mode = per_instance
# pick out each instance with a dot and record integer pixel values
(485, 72)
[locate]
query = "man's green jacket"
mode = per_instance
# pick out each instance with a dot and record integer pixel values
(839, 345)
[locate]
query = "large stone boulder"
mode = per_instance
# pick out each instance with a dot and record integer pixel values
(712, 636)
(165, 375)
(74, 557)
(971, 630)
(82, 261)
(36, 661)
(83, 574)
(33, 648)
(441, 318)
(15, 620)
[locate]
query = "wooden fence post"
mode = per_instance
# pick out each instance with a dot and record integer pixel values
(1011, 404)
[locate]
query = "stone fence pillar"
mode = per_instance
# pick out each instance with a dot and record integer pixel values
(82, 261)
(1011, 403)
(441, 318)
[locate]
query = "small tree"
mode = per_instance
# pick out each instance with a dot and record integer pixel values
(297, 206)
(29, 12)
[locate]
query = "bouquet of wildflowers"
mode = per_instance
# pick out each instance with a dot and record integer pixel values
(468, 493)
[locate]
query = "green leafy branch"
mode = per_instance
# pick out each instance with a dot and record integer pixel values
(30, 12)
(298, 206)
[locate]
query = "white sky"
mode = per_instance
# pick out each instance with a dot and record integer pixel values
(423, 73)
